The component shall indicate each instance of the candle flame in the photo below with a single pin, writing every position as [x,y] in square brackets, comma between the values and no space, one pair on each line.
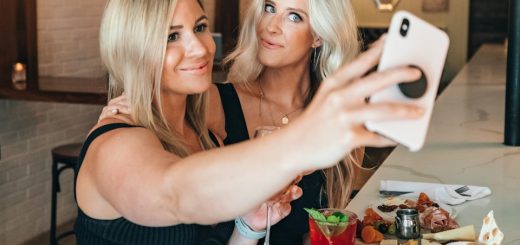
[19,67]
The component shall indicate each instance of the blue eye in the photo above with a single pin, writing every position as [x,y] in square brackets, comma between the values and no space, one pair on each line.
[201,28]
[269,9]
[295,17]
[173,37]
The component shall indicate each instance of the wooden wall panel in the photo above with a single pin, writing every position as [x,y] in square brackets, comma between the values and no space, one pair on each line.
[8,48]
[226,22]
[18,39]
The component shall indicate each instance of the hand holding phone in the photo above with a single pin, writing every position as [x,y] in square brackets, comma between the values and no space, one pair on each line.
[411,41]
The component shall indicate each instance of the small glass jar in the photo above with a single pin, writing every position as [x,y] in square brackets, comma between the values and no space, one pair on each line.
[19,76]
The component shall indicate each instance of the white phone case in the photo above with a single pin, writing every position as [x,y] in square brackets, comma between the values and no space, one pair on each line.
[426,47]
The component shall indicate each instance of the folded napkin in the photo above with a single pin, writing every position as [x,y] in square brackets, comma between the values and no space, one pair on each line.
[444,193]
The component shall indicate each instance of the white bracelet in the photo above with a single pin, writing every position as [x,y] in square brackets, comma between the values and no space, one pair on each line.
[246,231]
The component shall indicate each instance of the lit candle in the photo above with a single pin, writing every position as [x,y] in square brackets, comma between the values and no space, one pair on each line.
[19,76]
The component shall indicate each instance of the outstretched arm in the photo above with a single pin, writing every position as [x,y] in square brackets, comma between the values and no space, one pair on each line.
[153,187]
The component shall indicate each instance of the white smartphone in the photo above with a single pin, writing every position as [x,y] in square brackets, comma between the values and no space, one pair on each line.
[411,41]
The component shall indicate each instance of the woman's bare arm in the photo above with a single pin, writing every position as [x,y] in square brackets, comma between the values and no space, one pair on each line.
[150,186]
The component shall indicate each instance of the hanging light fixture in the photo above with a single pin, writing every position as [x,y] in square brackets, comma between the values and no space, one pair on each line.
[386,5]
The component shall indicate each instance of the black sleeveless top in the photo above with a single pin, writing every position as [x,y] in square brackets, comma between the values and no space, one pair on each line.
[291,229]
[122,231]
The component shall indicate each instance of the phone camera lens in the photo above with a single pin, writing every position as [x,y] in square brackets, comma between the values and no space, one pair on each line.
[405,26]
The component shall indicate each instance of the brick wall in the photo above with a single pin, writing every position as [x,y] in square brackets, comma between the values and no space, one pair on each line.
[68,33]
[28,132]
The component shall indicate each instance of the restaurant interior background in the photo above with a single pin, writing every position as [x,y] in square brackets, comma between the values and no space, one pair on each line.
[58,41]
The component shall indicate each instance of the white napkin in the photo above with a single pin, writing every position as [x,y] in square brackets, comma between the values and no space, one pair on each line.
[444,193]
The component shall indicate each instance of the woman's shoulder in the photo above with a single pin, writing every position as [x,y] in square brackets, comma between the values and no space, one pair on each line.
[114,145]
[109,133]
[121,120]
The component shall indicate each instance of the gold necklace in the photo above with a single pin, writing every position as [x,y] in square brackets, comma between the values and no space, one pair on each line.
[285,116]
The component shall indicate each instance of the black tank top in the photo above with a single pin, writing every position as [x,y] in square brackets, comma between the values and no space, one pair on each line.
[291,229]
[122,231]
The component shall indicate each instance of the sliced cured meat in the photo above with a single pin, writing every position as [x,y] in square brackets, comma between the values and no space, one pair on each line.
[436,219]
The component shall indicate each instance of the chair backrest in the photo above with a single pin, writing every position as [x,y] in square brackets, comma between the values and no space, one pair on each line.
[68,153]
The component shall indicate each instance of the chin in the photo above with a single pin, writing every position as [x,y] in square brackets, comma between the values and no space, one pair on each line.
[200,87]
[201,91]
[273,63]
[188,86]
[269,61]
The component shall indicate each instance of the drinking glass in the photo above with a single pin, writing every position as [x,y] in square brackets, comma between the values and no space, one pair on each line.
[326,233]
[261,132]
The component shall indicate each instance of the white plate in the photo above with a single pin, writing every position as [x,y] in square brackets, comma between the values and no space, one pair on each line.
[390,216]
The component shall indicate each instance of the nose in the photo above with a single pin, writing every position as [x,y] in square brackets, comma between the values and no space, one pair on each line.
[195,47]
[273,24]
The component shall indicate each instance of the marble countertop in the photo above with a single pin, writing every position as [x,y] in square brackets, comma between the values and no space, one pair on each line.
[464,146]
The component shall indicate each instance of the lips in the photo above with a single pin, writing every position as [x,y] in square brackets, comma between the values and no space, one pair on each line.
[200,68]
[270,44]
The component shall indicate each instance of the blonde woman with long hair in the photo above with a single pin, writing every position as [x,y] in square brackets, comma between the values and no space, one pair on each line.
[284,51]
[150,176]
[134,181]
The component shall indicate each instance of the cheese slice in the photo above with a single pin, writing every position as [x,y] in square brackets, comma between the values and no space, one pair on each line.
[466,233]
[490,234]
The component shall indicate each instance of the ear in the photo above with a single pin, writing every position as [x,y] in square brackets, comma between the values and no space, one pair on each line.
[317,42]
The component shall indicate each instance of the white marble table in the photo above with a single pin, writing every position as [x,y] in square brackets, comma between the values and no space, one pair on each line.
[464,146]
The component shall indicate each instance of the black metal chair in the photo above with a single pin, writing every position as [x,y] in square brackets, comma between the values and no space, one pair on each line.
[63,157]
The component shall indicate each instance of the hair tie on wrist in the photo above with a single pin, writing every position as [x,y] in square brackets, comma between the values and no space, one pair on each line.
[246,231]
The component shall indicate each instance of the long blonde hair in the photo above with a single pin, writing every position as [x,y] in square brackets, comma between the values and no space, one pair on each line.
[334,22]
[133,39]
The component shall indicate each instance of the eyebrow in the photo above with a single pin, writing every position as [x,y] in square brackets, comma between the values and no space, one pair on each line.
[290,9]
[204,17]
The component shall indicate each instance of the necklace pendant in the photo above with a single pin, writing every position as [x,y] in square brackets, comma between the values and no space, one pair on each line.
[285,120]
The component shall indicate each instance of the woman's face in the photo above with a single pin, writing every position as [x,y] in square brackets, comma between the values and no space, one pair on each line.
[190,50]
[284,33]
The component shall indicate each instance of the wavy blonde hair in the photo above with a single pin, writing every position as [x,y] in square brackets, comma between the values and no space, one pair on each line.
[133,39]
[334,22]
